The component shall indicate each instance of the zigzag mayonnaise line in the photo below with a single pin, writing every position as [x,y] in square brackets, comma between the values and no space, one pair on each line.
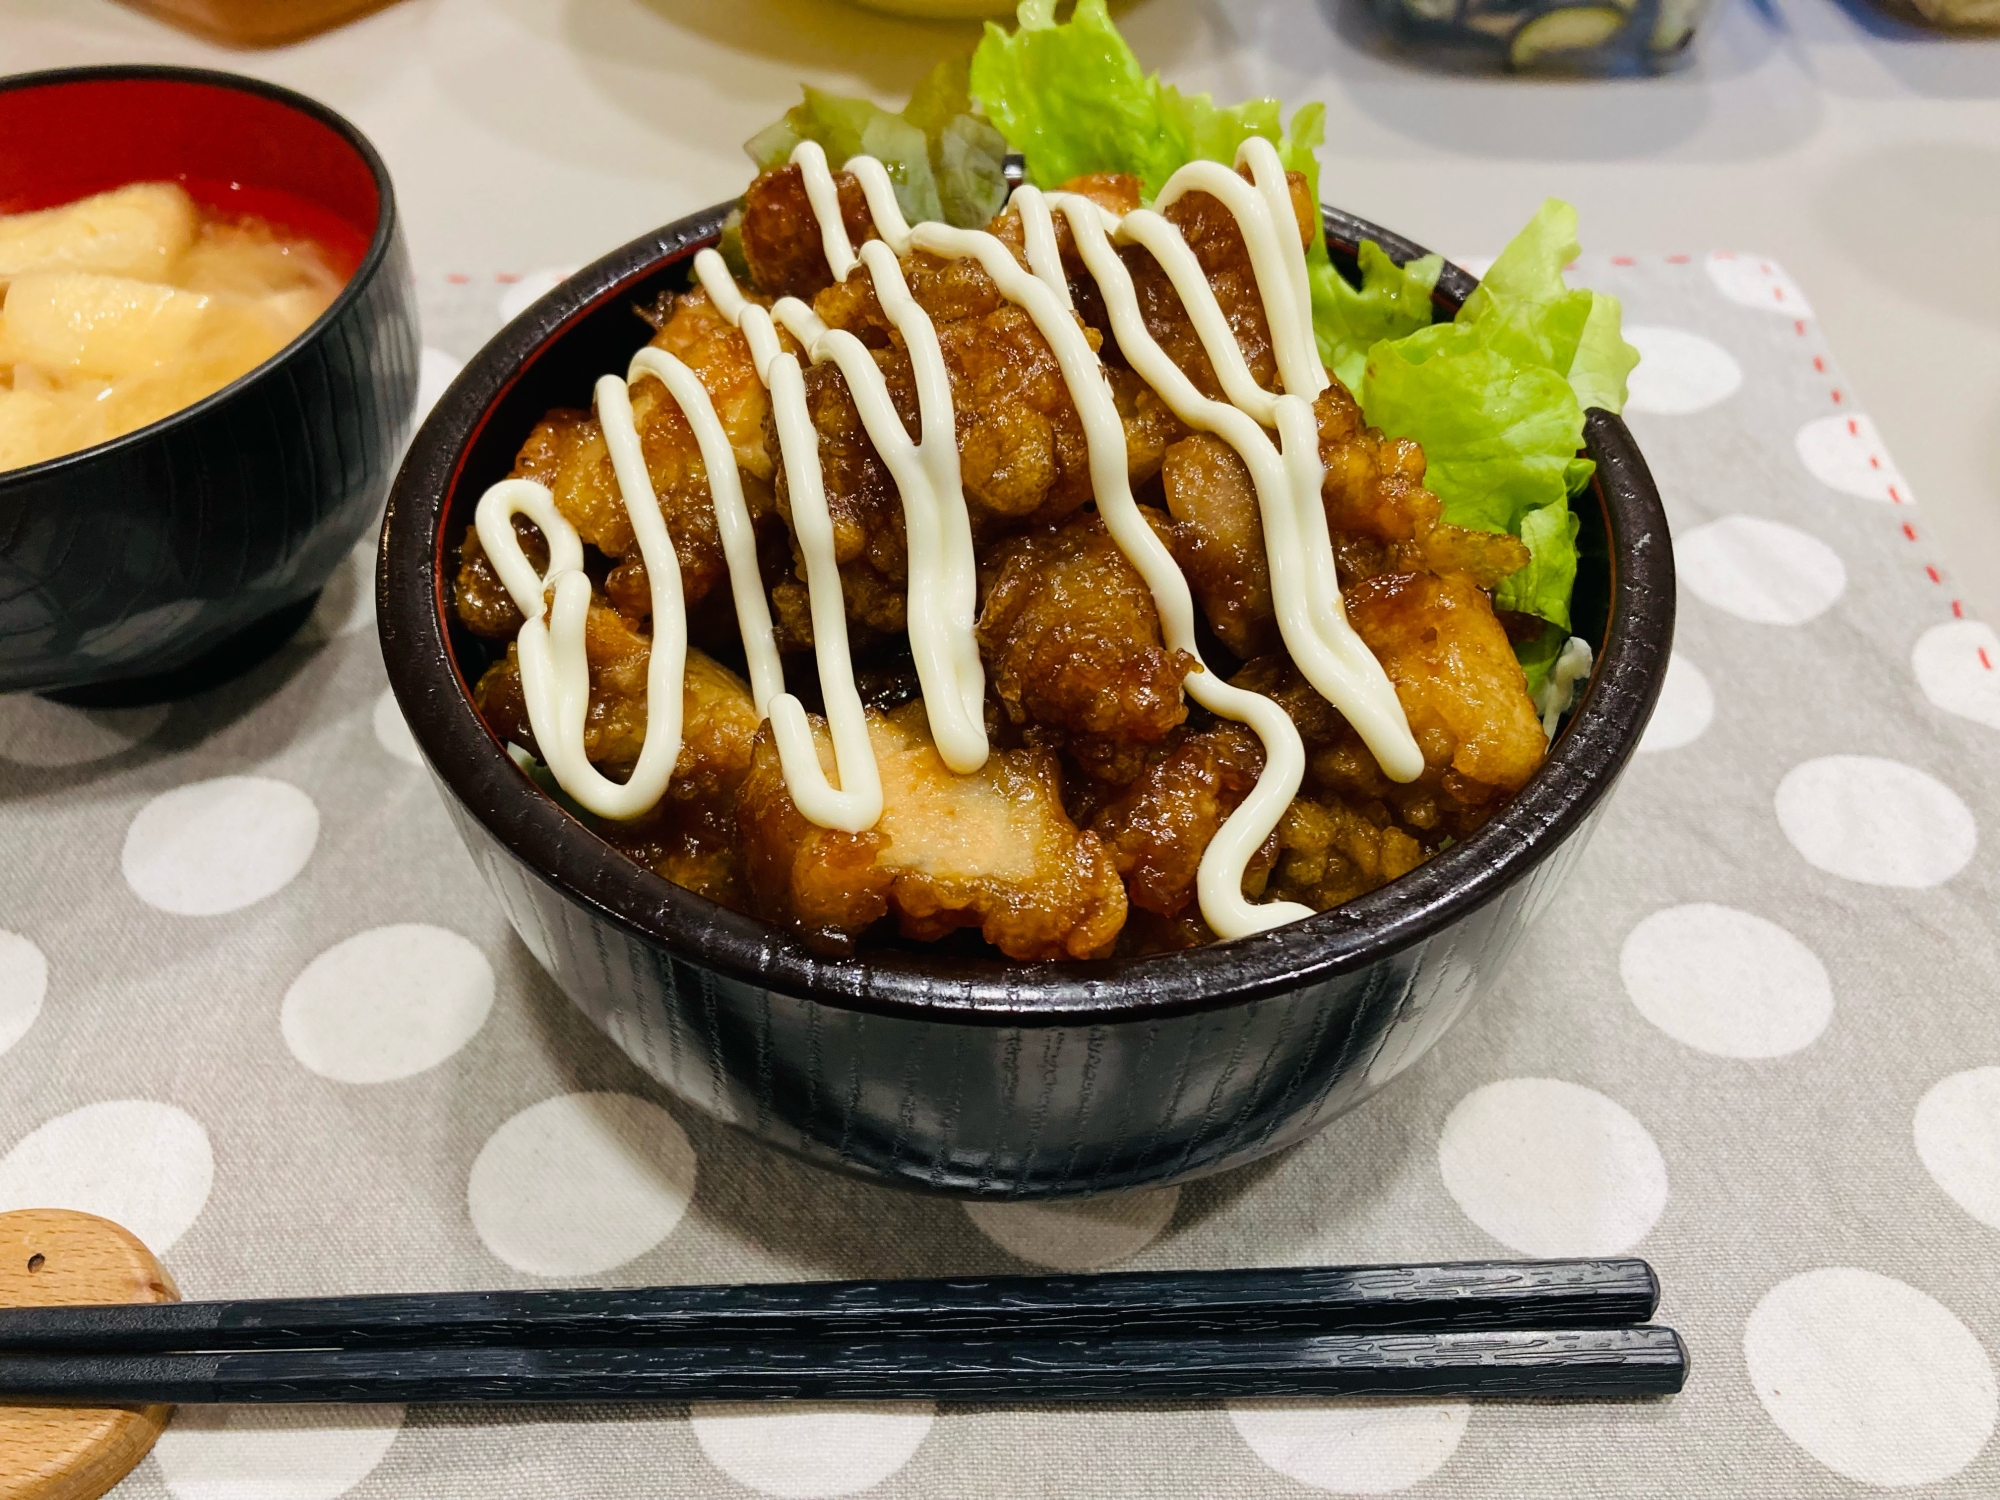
[942,599]
[857,804]
[1287,478]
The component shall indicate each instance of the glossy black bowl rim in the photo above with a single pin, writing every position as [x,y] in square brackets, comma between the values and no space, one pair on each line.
[413,600]
[357,284]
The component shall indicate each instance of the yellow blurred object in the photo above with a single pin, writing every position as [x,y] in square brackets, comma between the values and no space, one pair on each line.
[257,23]
[1953,15]
[123,308]
[941,10]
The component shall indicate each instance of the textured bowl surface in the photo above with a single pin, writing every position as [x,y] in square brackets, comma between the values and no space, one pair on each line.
[978,1076]
[137,556]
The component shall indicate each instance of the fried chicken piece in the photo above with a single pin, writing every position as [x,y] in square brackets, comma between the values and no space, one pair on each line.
[1022,451]
[691,842]
[866,510]
[1150,426]
[718,719]
[1353,829]
[567,453]
[1212,233]
[1023,457]
[1340,767]
[1158,828]
[483,603]
[1218,540]
[1072,645]
[717,351]
[1457,678]
[992,850]
[1117,191]
[1330,851]
[498,697]
[1384,518]
[689,837]
[781,239]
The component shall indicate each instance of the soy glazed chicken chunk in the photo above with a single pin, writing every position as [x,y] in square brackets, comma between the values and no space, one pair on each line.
[993,850]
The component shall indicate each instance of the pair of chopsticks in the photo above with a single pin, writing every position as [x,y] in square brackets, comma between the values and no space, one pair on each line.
[1574,1328]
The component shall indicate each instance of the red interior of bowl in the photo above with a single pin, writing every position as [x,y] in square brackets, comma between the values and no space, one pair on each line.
[235,151]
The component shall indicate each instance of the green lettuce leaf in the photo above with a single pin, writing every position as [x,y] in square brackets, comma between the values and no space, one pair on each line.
[967,154]
[1500,438]
[849,127]
[1497,398]
[1538,318]
[1538,655]
[1603,358]
[1072,99]
[1392,302]
[1544,586]
[946,162]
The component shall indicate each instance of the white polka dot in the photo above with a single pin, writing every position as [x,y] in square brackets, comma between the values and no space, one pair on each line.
[1846,453]
[1685,710]
[1552,1168]
[36,732]
[1724,981]
[219,845]
[802,1451]
[1077,1234]
[530,289]
[1958,667]
[1353,1448]
[273,1452]
[1756,282]
[24,982]
[392,733]
[580,1183]
[1758,570]
[435,371]
[1876,821]
[144,1165]
[347,603]
[1958,1137]
[1678,372]
[388,1003]
[1871,1377]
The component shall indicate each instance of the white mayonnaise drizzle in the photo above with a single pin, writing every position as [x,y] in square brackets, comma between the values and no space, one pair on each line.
[1287,478]
[942,600]
[857,804]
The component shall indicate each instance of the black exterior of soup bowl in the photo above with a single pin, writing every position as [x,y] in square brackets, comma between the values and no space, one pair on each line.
[984,1078]
[128,568]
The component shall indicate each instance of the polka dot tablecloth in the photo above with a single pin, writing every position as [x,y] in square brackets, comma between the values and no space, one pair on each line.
[255,1004]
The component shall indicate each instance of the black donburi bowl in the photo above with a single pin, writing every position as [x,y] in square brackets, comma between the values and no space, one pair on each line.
[155,563]
[985,1078]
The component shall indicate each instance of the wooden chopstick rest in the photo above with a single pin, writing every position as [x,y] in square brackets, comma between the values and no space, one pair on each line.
[52,1257]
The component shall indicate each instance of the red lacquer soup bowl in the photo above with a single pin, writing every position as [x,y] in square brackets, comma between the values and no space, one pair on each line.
[149,564]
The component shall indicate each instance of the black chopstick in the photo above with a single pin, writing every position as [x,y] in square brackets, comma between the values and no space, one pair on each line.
[1588,1362]
[1276,1301]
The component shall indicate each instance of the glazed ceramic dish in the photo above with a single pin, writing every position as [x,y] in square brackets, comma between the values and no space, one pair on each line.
[983,1077]
[125,566]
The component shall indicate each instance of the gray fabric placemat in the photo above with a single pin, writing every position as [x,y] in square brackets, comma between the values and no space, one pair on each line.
[257,1006]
